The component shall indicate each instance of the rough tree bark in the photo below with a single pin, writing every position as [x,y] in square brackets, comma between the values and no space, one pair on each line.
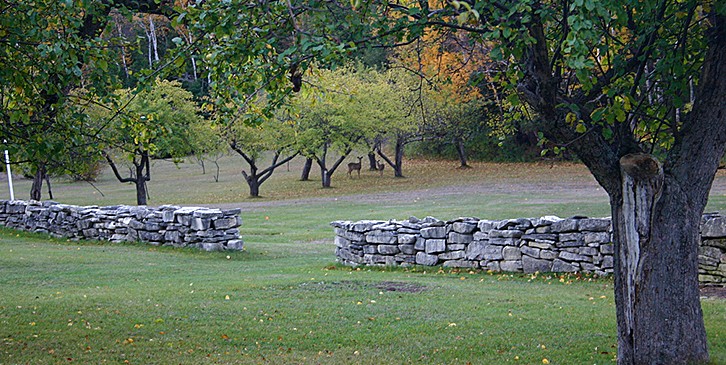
[36,192]
[305,175]
[372,161]
[397,163]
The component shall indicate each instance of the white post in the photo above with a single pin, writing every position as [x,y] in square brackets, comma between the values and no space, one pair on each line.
[10,175]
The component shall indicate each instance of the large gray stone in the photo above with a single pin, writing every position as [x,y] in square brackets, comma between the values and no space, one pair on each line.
[237,245]
[225,223]
[531,265]
[561,266]
[511,266]
[200,224]
[385,237]
[607,262]
[608,249]
[570,256]
[714,227]
[420,244]
[388,249]
[341,242]
[211,246]
[475,250]
[597,237]
[407,249]
[426,259]
[492,253]
[463,227]
[433,232]
[435,245]
[594,224]
[455,237]
[565,225]
[405,239]
[530,251]
[486,225]
[461,264]
[511,253]
[495,233]
[453,255]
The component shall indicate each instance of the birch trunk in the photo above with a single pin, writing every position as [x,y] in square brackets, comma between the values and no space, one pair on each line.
[152,31]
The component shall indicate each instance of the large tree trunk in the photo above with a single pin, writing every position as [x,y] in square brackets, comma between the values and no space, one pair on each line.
[141,194]
[305,176]
[254,185]
[656,280]
[372,166]
[141,179]
[398,165]
[325,176]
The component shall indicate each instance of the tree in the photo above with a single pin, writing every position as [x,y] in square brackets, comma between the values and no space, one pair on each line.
[251,142]
[155,123]
[399,113]
[208,144]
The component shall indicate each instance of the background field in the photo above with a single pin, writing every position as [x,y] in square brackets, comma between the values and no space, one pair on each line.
[283,301]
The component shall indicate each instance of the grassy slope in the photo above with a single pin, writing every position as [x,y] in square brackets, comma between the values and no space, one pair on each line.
[99,303]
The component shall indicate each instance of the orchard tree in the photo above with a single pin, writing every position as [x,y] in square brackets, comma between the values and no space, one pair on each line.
[252,142]
[156,123]
[331,119]
[396,103]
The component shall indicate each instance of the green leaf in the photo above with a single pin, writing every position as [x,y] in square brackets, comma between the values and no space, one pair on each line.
[580,128]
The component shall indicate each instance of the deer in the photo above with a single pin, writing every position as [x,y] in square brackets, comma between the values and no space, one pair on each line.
[355,166]
[380,167]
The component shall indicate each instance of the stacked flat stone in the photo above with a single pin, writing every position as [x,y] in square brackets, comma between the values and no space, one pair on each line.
[712,252]
[546,244]
[168,225]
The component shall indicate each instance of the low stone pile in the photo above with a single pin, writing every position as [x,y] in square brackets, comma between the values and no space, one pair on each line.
[712,253]
[546,244]
[204,228]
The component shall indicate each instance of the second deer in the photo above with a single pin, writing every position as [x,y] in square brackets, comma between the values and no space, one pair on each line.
[380,167]
[355,166]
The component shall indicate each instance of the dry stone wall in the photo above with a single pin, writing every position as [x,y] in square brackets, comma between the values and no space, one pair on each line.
[204,228]
[546,244]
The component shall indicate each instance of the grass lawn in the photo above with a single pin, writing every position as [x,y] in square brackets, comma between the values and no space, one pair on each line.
[283,301]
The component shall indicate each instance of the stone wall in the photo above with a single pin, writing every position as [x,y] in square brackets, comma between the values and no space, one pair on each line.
[546,244]
[204,228]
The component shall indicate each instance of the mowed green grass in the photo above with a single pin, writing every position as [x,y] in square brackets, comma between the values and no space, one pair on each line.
[284,301]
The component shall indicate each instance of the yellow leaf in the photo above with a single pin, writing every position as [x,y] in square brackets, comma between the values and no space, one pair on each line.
[226,297]
[545,361]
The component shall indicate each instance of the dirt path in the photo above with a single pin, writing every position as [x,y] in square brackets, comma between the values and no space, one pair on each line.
[581,188]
